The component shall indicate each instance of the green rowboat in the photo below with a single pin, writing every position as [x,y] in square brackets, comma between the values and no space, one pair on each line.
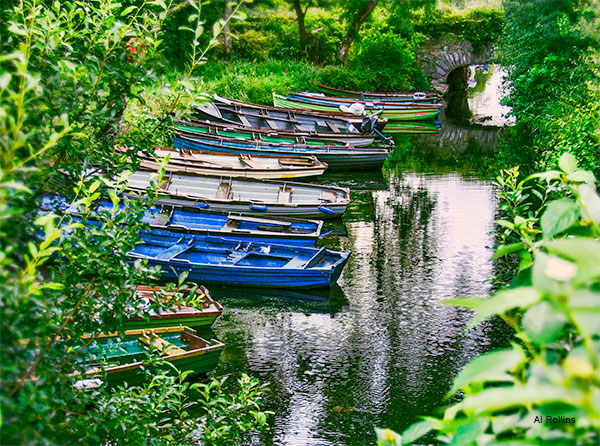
[121,359]
[410,114]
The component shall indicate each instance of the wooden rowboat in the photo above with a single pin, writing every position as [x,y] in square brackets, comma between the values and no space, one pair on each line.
[247,196]
[275,136]
[226,262]
[277,118]
[415,96]
[201,314]
[224,164]
[168,221]
[336,157]
[388,111]
[122,359]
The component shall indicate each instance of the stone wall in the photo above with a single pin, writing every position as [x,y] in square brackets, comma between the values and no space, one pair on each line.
[440,58]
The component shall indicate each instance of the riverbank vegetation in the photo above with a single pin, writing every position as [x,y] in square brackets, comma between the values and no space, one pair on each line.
[551,51]
[69,71]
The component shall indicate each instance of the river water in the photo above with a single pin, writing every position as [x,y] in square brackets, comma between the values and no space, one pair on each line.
[379,349]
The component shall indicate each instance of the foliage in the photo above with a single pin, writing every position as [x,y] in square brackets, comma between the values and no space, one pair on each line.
[228,418]
[479,26]
[378,57]
[551,56]
[544,388]
[68,73]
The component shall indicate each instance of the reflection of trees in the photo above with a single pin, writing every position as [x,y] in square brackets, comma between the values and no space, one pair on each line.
[466,150]
[392,353]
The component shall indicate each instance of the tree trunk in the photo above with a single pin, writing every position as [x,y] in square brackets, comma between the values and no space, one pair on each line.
[226,30]
[352,32]
[300,14]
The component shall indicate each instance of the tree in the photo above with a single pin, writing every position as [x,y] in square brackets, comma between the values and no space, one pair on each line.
[300,15]
[365,7]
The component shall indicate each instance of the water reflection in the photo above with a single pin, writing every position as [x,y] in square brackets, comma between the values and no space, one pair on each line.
[389,353]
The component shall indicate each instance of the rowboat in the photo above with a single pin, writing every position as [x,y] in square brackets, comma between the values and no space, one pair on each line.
[216,260]
[387,111]
[336,157]
[246,196]
[253,115]
[406,127]
[197,311]
[233,165]
[171,221]
[416,96]
[275,136]
[122,358]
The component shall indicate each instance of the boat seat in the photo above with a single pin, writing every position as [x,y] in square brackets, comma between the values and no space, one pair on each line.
[251,162]
[244,120]
[333,127]
[328,196]
[164,347]
[295,263]
[224,191]
[259,220]
[173,251]
[316,259]
[285,194]
[272,124]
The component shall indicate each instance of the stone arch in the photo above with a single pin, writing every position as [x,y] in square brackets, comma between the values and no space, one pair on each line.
[440,58]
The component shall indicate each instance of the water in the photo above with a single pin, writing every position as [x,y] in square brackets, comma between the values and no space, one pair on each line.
[379,349]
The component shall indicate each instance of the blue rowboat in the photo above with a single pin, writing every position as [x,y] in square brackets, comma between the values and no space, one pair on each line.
[336,157]
[246,196]
[170,222]
[216,260]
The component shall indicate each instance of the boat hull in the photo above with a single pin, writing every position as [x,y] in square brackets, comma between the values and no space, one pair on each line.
[223,262]
[409,114]
[342,159]
[276,136]
[252,277]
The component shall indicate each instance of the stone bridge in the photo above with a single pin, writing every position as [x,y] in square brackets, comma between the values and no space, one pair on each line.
[441,58]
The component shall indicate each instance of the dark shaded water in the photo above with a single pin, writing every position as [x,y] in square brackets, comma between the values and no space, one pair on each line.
[378,350]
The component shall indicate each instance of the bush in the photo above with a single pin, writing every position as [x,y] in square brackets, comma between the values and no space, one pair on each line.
[387,62]
[479,26]
[551,59]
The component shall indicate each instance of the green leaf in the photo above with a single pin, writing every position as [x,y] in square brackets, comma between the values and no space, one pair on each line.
[548,271]
[508,249]
[499,303]
[493,366]
[548,175]
[387,437]
[4,80]
[582,176]
[590,203]
[416,431]
[567,163]
[505,223]
[542,323]
[585,310]
[585,252]
[468,434]
[558,217]
[502,398]
[128,10]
